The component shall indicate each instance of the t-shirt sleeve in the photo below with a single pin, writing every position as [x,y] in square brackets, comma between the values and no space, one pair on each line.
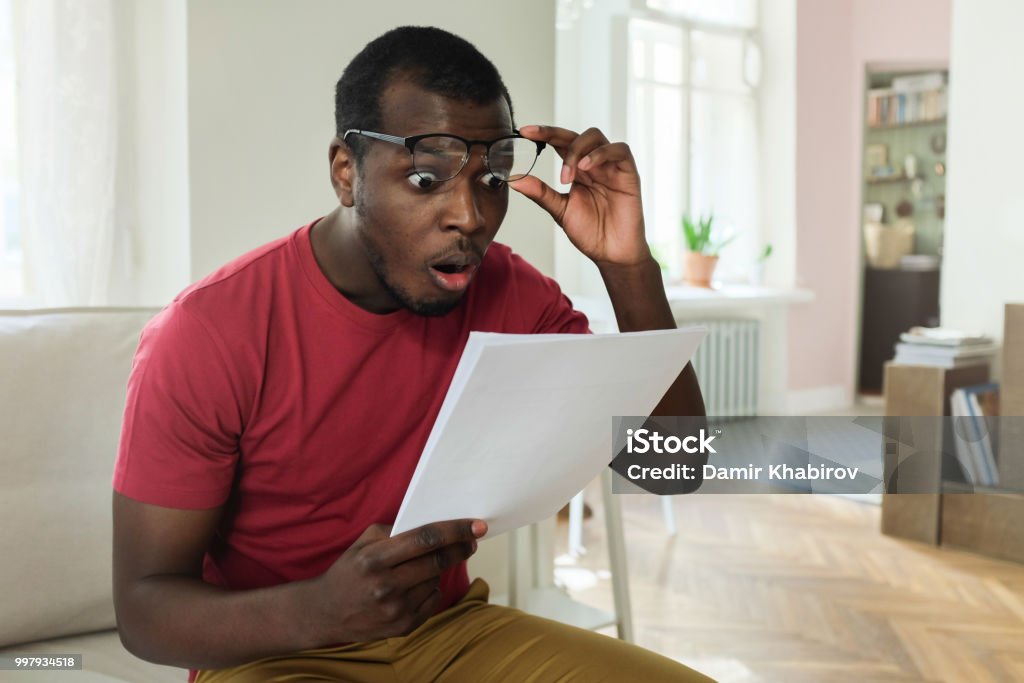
[183,417]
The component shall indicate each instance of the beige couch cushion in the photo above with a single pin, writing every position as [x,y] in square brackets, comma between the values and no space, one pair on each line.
[63,374]
[104,660]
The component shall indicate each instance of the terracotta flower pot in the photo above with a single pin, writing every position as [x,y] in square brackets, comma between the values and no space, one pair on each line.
[698,268]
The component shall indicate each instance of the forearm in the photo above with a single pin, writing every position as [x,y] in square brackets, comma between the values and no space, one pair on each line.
[638,297]
[183,621]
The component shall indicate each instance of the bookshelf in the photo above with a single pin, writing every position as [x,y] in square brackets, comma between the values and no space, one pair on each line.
[905,116]
[940,122]
[903,172]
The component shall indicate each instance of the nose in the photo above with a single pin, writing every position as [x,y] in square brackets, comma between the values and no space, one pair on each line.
[464,203]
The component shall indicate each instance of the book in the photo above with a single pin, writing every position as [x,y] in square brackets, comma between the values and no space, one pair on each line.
[904,358]
[964,437]
[939,351]
[943,336]
[919,82]
[975,409]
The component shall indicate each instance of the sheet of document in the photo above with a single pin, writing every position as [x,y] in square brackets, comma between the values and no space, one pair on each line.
[527,422]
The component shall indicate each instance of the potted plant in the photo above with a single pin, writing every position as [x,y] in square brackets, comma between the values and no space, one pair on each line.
[702,251]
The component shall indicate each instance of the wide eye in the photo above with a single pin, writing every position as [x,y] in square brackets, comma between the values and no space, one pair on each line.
[492,181]
[422,179]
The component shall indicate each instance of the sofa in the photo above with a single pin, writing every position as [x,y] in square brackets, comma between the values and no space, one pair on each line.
[63,373]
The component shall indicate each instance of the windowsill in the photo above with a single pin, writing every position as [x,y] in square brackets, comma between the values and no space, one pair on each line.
[685,300]
[731,296]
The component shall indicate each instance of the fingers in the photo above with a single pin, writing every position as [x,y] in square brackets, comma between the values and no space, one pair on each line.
[372,534]
[553,135]
[431,566]
[586,151]
[425,540]
[423,601]
[617,153]
[542,195]
[424,598]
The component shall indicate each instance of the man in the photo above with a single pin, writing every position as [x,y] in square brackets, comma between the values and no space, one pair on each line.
[277,408]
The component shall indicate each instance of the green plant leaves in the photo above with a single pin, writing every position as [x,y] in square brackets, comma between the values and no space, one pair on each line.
[698,235]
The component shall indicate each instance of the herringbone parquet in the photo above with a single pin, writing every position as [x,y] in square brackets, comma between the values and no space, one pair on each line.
[805,588]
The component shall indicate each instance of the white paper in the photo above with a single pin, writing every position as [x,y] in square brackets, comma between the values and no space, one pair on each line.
[527,422]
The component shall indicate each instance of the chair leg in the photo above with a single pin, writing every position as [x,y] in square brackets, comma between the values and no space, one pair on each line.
[576,526]
[617,559]
[670,518]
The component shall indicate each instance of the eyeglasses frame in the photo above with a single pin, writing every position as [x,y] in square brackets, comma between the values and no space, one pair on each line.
[410,144]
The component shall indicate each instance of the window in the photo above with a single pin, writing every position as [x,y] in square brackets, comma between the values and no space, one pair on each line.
[11,277]
[738,13]
[692,118]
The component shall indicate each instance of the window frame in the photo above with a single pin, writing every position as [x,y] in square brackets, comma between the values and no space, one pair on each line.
[750,38]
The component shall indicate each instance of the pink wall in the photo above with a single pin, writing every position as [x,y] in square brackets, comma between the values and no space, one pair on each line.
[836,39]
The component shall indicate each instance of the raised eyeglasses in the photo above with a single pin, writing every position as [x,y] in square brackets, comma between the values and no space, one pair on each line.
[437,157]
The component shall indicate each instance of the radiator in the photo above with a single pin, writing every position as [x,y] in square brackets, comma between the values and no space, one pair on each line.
[727,366]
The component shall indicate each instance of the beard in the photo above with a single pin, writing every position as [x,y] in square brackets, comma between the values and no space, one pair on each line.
[427,307]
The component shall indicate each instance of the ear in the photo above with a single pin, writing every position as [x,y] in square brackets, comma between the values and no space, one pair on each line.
[343,171]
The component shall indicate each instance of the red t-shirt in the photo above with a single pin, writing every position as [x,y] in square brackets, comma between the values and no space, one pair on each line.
[261,387]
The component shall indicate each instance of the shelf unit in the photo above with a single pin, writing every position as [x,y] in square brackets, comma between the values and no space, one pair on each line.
[900,140]
[909,124]
[894,300]
[980,519]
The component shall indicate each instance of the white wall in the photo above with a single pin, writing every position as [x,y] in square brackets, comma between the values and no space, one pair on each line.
[585,80]
[984,239]
[777,132]
[836,40]
[158,83]
[261,78]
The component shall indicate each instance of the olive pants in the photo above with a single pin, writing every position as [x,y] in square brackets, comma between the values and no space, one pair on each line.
[471,642]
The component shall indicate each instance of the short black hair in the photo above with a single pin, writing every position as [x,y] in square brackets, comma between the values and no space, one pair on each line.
[429,57]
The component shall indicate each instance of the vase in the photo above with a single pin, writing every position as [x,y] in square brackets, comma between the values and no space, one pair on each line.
[698,269]
[885,245]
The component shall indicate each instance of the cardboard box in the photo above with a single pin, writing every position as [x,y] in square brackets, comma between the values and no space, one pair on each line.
[1011,401]
[920,390]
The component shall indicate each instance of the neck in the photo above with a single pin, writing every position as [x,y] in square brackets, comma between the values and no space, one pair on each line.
[342,258]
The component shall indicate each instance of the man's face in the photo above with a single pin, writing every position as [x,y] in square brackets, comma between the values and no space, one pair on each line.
[425,244]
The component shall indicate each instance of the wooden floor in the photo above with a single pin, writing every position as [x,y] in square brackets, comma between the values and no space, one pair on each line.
[805,588]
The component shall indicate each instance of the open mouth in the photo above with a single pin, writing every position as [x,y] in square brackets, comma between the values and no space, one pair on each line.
[450,268]
[454,273]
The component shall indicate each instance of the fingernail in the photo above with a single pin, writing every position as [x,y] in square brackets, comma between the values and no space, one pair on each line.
[565,174]
[528,129]
[479,528]
[585,163]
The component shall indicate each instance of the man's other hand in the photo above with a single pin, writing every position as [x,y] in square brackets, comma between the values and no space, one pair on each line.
[383,587]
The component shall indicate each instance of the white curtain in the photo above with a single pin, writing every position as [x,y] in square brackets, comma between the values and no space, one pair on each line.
[67,128]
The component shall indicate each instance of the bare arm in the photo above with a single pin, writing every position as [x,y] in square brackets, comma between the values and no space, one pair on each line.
[602,216]
[638,297]
[166,613]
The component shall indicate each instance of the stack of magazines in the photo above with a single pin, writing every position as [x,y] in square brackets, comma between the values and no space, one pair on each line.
[943,348]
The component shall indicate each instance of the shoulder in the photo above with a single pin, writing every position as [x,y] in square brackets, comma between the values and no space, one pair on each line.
[501,265]
[514,296]
[241,274]
[226,311]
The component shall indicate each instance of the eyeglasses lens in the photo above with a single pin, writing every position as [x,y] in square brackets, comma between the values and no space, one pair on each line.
[512,158]
[441,158]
